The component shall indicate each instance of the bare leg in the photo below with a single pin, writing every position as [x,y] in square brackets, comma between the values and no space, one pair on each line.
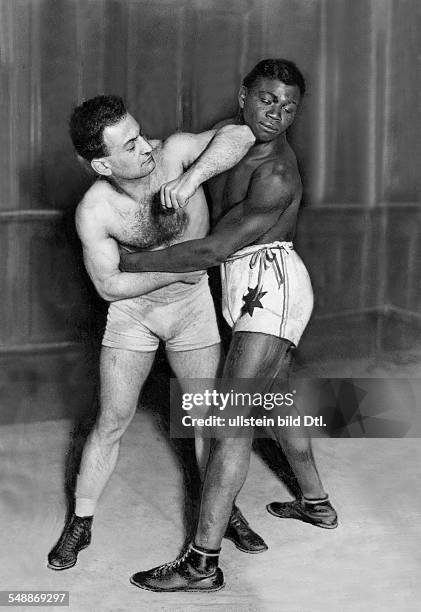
[205,363]
[295,441]
[198,363]
[252,356]
[122,374]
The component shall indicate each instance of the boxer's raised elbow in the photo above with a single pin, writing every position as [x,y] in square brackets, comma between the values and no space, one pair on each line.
[249,137]
[243,132]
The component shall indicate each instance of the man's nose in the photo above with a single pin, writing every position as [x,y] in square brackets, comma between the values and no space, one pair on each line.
[145,146]
[274,113]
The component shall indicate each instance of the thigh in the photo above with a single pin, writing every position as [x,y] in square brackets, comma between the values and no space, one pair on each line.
[196,371]
[198,363]
[122,374]
[257,355]
[253,363]
[194,326]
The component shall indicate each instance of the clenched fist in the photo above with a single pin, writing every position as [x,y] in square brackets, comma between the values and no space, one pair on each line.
[176,193]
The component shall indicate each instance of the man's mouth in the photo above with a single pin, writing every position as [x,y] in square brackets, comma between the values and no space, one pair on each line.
[147,160]
[268,128]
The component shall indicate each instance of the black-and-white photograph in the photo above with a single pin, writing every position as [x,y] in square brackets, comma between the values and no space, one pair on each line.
[210,330]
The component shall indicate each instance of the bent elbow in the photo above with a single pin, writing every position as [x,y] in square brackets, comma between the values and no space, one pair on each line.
[214,255]
[243,132]
[249,137]
[105,295]
[105,291]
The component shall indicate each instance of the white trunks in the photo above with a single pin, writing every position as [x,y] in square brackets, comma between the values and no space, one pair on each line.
[266,288]
[181,315]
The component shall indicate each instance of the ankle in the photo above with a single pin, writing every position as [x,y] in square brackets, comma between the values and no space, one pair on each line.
[315,499]
[85,506]
[204,559]
[87,520]
[312,504]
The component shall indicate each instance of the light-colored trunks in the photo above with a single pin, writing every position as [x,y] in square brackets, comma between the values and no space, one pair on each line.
[266,288]
[181,315]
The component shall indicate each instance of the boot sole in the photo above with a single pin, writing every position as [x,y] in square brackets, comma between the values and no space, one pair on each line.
[185,590]
[304,518]
[246,550]
[65,567]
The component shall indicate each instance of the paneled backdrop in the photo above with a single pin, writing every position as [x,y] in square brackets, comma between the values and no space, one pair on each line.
[179,64]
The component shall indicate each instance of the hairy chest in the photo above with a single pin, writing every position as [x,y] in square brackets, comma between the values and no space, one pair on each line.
[141,222]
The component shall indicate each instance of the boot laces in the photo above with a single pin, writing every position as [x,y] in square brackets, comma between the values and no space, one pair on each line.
[76,530]
[173,565]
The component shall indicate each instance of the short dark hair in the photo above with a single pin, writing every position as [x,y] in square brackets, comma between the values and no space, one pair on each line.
[280,69]
[87,123]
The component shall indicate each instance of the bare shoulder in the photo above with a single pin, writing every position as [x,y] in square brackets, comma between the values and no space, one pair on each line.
[185,147]
[176,146]
[178,139]
[274,183]
[93,211]
[278,172]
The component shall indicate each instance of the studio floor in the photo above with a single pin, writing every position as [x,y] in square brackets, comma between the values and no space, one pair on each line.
[372,562]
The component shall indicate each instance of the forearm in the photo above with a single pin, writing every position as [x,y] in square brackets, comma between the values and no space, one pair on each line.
[122,285]
[184,257]
[234,231]
[225,150]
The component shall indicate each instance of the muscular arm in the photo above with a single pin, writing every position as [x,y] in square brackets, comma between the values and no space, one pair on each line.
[205,155]
[101,257]
[270,193]
[224,150]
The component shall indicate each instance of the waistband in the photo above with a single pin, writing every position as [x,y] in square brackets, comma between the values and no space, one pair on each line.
[256,248]
[169,293]
[264,256]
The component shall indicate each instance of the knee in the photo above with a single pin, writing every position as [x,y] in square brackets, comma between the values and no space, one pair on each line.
[299,447]
[232,453]
[111,429]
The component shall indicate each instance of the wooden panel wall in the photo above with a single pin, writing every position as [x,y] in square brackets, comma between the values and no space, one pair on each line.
[179,63]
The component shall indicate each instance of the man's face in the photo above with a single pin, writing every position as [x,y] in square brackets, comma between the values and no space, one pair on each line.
[269,107]
[129,153]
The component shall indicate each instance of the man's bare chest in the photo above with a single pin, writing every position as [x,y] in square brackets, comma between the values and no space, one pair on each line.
[232,186]
[139,219]
[134,225]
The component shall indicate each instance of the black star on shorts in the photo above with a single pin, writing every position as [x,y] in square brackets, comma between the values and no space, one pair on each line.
[252,300]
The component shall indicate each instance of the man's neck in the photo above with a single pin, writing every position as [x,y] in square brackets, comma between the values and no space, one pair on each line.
[129,187]
[266,149]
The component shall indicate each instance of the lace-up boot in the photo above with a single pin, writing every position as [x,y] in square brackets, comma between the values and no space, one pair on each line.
[75,537]
[318,512]
[195,570]
[242,535]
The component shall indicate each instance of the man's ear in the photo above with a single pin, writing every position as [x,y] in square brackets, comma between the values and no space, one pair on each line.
[242,94]
[101,166]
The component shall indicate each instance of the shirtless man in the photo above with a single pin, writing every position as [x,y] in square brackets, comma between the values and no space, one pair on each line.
[267,299]
[121,208]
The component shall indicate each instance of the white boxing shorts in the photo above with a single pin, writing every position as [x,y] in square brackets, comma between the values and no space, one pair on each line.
[266,288]
[181,315]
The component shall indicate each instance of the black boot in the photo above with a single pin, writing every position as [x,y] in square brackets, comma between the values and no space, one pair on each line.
[193,571]
[75,537]
[242,535]
[318,512]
